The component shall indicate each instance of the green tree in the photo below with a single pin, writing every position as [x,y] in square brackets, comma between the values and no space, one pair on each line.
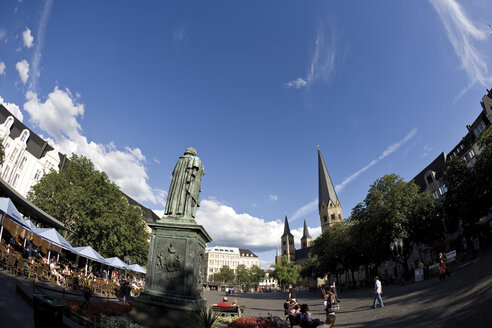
[286,272]
[393,209]
[243,275]
[256,275]
[482,175]
[225,275]
[94,209]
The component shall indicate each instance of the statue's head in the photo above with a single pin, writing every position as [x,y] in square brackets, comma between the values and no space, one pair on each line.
[190,151]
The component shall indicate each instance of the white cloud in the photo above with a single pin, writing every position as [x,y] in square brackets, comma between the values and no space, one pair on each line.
[297,83]
[463,34]
[229,228]
[2,68]
[322,65]
[40,42]
[13,108]
[273,197]
[61,106]
[159,213]
[23,69]
[28,38]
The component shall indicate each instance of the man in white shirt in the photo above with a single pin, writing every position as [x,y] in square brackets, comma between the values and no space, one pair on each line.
[378,291]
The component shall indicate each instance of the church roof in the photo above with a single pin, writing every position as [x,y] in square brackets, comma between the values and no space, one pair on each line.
[303,253]
[286,228]
[326,189]
[305,233]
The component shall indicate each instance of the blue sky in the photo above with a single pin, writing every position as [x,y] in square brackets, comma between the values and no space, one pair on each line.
[382,87]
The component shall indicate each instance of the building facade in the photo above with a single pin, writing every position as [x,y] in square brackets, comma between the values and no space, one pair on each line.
[218,256]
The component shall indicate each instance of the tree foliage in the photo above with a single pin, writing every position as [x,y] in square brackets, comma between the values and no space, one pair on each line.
[225,275]
[256,275]
[393,209]
[286,272]
[93,207]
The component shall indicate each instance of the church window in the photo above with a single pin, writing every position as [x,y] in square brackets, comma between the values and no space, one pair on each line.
[283,243]
[325,218]
[285,251]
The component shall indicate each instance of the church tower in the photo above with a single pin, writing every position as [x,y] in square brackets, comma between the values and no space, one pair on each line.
[306,240]
[330,211]
[287,239]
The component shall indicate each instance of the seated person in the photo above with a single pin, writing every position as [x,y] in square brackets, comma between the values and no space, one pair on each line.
[330,321]
[234,303]
[54,267]
[224,302]
[306,319]
[292,307]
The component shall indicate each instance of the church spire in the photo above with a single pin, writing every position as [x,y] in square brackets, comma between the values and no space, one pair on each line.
[286,228]
[305,233]
[326,190]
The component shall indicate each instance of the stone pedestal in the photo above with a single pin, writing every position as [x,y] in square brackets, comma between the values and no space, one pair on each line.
[175,274]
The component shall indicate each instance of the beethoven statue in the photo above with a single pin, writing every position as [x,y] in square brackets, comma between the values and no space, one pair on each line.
[184,192]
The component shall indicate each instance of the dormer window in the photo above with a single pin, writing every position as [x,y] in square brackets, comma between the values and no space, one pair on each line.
[429,179]
[24,136]
[9,122]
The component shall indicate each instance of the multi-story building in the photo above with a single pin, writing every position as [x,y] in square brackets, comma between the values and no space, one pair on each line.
[218,256]
[430,178]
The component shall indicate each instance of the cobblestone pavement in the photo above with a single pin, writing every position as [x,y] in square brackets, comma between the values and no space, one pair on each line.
[464,300]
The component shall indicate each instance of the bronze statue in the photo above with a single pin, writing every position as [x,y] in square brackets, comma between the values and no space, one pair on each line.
[184,193]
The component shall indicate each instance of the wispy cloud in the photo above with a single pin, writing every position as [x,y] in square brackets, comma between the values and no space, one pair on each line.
[3,34]
[463,34]
[391,149]
[40,43]
[273,197]
[27,38]
[322,65]
[304,210]
[2,68]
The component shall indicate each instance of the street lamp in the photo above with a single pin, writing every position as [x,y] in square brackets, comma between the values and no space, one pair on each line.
[397,249]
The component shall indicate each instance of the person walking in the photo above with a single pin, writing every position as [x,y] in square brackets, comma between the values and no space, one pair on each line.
[378,291]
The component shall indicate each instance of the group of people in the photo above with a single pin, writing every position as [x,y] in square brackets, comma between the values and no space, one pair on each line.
[299,314]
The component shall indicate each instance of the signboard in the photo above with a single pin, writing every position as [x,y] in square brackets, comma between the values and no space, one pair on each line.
[451,256]
[419,274]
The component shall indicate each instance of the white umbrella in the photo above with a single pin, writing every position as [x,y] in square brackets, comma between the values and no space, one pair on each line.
[8,209]
[116,262]
[51,235]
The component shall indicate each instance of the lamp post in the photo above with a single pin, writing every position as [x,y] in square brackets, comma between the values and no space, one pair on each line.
[397,249]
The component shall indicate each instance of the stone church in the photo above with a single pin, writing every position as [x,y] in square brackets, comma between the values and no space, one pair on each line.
[330,212]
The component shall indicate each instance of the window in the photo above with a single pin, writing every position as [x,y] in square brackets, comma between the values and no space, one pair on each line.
[333,217]
[469,156]
[24,136]
[7,146]
[340,217]
[6,172]
[429,179]
[442,189]
[14,152]
[283,243]
[325,218]
[9,122]
[435,194]
[37,175]
[23,161]
[480,126]
[16,179]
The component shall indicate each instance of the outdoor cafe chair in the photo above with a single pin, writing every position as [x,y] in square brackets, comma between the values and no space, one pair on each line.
[20,267]
[11,259]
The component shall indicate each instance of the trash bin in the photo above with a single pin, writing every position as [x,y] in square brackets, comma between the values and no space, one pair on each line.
[46,312]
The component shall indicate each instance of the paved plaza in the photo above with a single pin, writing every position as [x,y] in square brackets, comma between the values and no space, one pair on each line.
[464,300]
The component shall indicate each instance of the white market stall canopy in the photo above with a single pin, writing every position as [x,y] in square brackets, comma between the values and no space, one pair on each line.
[137,268]
[116,262]
[8,208]
[90,253]
[51,235]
